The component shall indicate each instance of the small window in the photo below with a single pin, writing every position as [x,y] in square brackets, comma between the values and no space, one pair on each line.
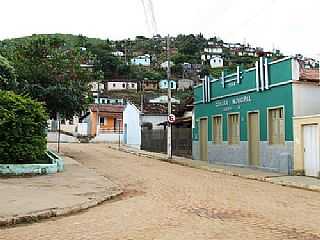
[108,101]
[114,85]
[234,129]
[103,101]
[123,85]
[276,126]
[132,85]
[172,85]
[101,121]
[217,130]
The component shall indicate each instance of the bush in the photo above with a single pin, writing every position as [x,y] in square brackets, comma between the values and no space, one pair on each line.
[7,75]
[22,130]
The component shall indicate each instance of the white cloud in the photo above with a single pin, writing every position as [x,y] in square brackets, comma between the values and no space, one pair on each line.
[290,25]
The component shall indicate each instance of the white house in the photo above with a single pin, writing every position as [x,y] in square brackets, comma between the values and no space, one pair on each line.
[132,126]
[215,50]
[118,54]
[216,62]
[144,60]
[94,86]
[164,99]
[165,64]
[118,85]
[108,100]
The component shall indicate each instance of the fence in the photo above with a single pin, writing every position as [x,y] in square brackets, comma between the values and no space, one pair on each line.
[155,140]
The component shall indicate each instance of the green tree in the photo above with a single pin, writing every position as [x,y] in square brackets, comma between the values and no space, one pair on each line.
[106,62]
[7,75]
[50,72]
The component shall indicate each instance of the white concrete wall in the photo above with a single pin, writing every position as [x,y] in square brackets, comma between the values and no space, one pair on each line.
[108,138]
[82,129]
[132,125]
[306,99]
[155,120]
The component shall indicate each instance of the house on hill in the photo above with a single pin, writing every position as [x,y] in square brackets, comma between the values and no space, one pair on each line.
[121,85]
[144,60]
[164,84]
[150,85]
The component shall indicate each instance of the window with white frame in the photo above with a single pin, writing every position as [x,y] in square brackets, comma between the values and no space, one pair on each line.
[234,128]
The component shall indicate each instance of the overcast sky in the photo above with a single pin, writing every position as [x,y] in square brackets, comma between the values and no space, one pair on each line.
[291,25]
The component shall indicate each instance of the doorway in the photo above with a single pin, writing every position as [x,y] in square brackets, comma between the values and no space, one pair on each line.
[254,139]
[311,150]
[204,139]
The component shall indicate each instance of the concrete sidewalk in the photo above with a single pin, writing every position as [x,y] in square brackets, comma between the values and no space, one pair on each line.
[302,182]
[27,199]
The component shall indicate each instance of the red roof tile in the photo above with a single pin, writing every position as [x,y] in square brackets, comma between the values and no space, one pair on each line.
[107,108]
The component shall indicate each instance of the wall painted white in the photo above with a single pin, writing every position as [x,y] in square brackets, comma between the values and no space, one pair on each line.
[132,125]
[122,86]
[306,100]
[82,129]
[154,119]
[108,138]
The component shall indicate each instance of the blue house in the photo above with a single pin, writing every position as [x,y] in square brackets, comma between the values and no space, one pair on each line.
[163,84]
[144,60]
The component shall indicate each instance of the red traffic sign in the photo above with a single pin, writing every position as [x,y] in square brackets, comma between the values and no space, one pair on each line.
[171,118]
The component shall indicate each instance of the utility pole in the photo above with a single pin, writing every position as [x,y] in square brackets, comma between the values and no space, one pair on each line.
[142,94]
[169,131]
[98,98]
[59,130]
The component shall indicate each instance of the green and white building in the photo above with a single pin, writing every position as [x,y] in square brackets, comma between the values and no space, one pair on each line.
[247,118]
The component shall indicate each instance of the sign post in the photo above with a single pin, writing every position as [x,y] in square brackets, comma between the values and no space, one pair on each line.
[171,118]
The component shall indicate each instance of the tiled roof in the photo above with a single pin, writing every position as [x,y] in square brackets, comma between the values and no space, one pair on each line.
[107,108]
[309,75]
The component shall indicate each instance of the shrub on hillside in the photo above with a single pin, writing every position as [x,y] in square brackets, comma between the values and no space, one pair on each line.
[22,129]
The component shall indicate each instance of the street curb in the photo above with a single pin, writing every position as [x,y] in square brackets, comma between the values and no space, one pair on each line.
[267,179]
[58,212]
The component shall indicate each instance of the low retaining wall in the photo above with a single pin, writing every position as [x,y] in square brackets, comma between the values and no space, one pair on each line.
[33,169]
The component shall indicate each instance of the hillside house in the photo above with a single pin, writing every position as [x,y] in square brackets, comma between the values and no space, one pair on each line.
[150,85]
[216,62]
[184,84]
[144,60]
[121,85]
[164,84]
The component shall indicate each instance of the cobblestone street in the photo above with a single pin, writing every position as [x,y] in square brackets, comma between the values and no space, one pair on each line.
[167,201]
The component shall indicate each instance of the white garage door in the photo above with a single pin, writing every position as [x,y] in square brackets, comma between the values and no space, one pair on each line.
[311,150]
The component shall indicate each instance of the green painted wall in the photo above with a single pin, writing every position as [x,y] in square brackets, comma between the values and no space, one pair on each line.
[253,101]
